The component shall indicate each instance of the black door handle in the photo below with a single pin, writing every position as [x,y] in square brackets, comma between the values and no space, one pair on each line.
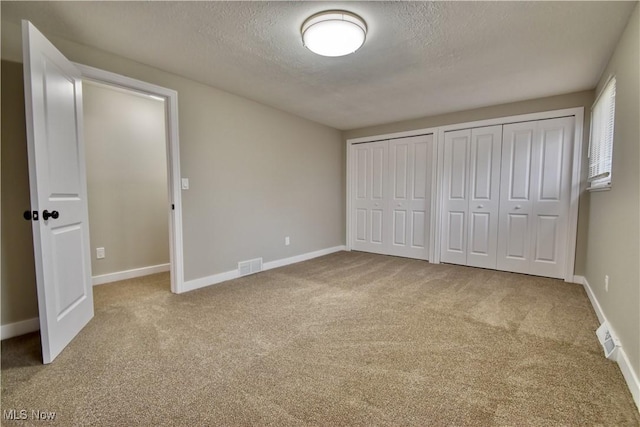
[53,214]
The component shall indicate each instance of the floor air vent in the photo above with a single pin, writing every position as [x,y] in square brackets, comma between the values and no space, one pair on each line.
[608,341]
[249,267]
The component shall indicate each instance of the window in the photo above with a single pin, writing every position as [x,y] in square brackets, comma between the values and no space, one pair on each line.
[601,145]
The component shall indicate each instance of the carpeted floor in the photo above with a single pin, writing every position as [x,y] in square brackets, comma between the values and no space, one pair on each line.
[346,339]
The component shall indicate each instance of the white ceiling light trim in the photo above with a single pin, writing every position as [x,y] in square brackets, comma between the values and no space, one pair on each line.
[333,33]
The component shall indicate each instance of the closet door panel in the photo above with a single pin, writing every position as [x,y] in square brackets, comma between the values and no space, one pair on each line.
[484,196]
[455,235]
[535,197]
[410,163]
[369,189]
[399,202]
[400,227]
[360,220]
[551,195]
[516,206]
[479,238]
[455,205]
[517,237]
[419,225]
[423,164]
[377,230]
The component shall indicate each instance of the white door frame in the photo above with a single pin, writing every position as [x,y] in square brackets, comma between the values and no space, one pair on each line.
[173,159]
[436,183]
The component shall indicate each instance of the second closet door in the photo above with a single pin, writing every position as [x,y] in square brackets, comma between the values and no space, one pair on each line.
[484,196]
[536,191]
[471,196]
[409,196]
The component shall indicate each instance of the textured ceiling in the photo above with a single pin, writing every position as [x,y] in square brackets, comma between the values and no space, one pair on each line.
[420,58]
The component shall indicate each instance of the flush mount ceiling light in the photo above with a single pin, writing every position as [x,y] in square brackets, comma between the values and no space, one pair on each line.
[333,33]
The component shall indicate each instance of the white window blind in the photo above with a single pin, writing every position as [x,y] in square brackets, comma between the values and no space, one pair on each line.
[601,144]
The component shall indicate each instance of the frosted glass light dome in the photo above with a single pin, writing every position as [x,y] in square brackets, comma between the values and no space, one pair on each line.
[333,33]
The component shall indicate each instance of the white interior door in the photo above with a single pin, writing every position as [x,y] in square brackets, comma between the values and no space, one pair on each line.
[53,97]
[484,196]
[370,189]
[410,193]
[535,197]
[455,206]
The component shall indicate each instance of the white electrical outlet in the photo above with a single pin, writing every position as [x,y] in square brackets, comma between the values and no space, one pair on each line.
[100,254]
[606,283]
[287,241]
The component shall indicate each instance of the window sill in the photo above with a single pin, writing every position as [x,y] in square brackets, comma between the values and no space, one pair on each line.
[601,187]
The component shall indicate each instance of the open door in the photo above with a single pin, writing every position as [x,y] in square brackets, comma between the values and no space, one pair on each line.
[53,100]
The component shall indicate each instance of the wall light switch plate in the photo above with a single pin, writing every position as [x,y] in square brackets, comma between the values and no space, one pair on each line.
[185,183]
[100,253]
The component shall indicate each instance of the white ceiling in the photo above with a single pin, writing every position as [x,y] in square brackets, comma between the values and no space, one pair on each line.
[420,58]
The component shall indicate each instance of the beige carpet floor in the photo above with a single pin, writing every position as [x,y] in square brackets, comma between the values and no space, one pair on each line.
[346,339]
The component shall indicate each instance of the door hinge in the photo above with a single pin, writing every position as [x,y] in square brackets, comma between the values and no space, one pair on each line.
[173,207]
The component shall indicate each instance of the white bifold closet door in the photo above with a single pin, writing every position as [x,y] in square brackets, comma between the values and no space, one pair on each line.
[506,196]
[410,194]
[471,184]
[370,193]
[535,197]
[391,196]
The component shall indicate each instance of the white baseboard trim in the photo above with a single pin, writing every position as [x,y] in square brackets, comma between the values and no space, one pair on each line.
[129,274]
[19,328]
[578,280]
[202,282]
[299,258]
[629,375]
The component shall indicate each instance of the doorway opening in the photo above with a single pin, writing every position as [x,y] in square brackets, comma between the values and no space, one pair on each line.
[127,188]
[132,197]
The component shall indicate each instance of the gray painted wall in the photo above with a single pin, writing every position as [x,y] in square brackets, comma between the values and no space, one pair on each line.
[125,146]
[613,246]
[257,174]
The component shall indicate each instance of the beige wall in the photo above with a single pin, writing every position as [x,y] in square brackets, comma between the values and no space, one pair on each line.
[19,299]
[578,99]
[257,174]
[614,233]
[125,145]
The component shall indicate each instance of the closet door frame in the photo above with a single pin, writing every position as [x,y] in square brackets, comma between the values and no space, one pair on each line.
[571,237]
[438,169]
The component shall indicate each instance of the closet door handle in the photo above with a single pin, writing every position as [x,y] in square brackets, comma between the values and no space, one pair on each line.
[518,207]
[480,206]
